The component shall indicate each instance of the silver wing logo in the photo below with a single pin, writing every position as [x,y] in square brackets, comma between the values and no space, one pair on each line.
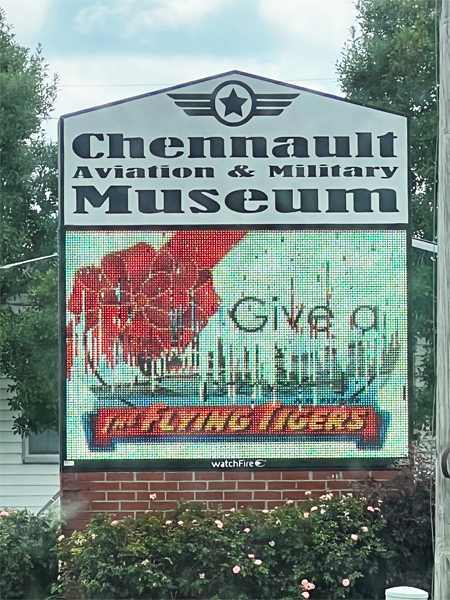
[233,103]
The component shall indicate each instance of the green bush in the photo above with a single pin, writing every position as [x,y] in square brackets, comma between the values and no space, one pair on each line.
[408,507]
[323,549]
[290,552]
[28,566]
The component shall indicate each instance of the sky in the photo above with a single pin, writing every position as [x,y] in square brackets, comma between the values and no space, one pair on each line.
[105,50]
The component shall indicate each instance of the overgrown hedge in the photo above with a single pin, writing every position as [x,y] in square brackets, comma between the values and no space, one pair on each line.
[28,566]
[331,547]
[331,543]
[408,507]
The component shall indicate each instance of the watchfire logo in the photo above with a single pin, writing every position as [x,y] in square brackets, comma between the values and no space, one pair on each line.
[238,464]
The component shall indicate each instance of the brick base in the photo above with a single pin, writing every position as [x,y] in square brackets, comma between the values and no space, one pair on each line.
[127,494]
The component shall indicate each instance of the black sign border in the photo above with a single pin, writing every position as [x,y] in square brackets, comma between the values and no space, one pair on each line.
[179,465]
[300,464]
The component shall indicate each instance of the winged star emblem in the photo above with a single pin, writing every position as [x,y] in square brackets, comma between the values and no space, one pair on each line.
[233,103]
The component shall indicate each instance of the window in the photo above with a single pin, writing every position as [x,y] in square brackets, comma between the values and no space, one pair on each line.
[41,447]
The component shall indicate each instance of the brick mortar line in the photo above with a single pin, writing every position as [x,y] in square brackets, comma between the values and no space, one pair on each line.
[331,481]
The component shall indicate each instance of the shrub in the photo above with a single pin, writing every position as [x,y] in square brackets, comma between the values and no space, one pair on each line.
[322,549]
[27,564]
[408,507]
[308,551]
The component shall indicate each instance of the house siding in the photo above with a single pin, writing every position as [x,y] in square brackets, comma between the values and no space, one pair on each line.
[22,485]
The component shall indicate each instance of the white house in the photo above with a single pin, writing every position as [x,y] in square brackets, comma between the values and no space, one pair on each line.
[29,468]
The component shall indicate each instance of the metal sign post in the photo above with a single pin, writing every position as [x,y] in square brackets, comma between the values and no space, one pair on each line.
[442,529]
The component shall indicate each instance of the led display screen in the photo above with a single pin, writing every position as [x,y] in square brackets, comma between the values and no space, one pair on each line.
[251,344]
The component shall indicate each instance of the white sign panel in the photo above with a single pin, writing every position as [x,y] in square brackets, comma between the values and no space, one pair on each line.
[235,149]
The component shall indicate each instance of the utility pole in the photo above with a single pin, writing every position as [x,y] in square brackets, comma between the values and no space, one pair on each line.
[442,543]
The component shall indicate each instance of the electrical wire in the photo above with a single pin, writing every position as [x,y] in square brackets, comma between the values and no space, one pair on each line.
[30,260]
[72,85]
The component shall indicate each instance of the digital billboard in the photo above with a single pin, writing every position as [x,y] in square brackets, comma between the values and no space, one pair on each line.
[209,322]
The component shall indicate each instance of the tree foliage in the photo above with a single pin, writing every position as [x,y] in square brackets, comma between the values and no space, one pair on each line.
[27,563]
[391,62]
[28,195]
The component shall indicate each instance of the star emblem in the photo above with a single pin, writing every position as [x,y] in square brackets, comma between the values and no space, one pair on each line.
[233,104]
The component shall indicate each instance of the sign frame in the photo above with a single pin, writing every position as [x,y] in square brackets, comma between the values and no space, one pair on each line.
[301,464]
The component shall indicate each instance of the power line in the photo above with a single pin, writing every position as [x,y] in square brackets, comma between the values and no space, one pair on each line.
[71,85]
[22,262]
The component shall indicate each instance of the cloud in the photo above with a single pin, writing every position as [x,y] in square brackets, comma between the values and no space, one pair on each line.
[308,36]
[310,22]
[172,14]
[91,16]
[26,16]
[305,38]
[85,80]
[159,15]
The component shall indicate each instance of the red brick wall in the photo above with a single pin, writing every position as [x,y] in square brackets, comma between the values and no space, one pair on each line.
[127,494]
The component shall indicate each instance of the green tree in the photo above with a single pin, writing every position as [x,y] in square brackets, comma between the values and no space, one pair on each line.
[28,196]
[391,62]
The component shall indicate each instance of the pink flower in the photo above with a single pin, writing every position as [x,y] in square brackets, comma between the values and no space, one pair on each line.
[346,582]
[61,537]
[371,509]
[4,513]
[305,594]
[307,493]
[354,537]
[265,511]
[289,502]
[201,575]
[168,522]
[152,496]
[180,522]
[304,582]
[272,543]
[236,569]
[114,522]
[218,523]
[306,515]
[258,562]
[365,529]
[247,530]
[251,556]
[310,586]
[313,508]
